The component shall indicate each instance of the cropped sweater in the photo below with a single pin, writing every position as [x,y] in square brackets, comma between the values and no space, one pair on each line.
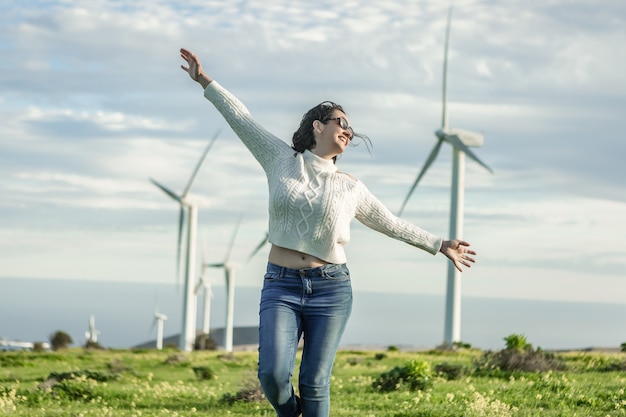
[311,204]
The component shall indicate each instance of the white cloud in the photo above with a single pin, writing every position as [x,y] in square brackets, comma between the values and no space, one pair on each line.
[113,121]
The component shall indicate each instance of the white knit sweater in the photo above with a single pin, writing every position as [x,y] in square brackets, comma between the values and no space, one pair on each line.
[311,204]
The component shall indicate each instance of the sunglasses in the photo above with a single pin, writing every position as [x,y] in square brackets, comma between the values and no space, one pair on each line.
[343,123]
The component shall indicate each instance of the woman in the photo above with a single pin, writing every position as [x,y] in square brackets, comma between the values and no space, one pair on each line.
[307,291]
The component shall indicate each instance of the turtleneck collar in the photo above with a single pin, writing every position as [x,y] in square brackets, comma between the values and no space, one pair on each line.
[319,164]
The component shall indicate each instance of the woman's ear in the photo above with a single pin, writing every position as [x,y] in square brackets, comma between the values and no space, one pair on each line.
[317,127]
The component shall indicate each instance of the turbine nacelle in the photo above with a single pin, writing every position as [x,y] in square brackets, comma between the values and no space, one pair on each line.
[468,138]
[159,316]
[194,200]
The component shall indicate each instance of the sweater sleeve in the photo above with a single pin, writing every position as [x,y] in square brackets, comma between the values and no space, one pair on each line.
[373,214]
[264,146]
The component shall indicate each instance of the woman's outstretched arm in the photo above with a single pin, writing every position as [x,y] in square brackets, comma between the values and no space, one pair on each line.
[264,146]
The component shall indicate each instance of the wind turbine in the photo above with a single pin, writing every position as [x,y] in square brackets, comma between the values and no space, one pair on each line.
[91,335]
[188,333]
[159,318]
[229,275]
[205,283]
[460,140]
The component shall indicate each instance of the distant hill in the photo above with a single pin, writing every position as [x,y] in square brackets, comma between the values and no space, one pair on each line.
[242,337]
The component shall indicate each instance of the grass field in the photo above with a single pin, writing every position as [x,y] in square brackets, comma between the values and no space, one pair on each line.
[79,382]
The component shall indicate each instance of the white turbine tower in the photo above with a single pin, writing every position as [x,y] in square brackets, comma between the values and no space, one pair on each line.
[205,284]
[229,275]
[188,333]
[159,318]
[91,335]
[460,141]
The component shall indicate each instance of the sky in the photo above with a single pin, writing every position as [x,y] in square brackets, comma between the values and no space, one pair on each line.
[93,104]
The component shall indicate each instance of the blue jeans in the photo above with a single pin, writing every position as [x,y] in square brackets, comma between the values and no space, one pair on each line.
[314,303]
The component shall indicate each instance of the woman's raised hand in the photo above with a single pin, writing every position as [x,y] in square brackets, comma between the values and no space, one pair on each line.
[194,67]
[458,252]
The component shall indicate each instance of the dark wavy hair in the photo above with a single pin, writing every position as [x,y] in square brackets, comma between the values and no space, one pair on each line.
[304,139]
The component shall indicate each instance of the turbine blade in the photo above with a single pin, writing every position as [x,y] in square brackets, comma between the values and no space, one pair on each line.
[227,277]
[204,254]
[203,261]
[444,112]
[260,245]
[232,241]
[166,190]
[181,221]
[195,171]
[457,143]
[152,326]
[429,161]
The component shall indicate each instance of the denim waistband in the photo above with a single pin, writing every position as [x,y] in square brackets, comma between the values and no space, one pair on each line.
[319,271]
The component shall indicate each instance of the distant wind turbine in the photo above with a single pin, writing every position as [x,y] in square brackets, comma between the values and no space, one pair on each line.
[205,283]
[229,275]
[159,318]
[188,333]
[91,335]
[460,141]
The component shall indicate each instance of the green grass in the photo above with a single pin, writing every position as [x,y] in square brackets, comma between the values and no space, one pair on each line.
[150,383]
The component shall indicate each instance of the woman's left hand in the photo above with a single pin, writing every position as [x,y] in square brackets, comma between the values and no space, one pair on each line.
[458,252]
[194,68]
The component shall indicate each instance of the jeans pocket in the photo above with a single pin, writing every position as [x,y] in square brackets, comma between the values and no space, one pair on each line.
[271,276]
[337,273]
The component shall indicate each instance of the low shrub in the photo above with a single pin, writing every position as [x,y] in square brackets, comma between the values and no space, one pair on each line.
[250,392]
[518,356]
[354,361]
[204,373]
[76,385]
[451,371]
[508,361]
[415,375]
[613,366]
[178,358]
[204,342]
[517,342]
[85,373]
[117,366]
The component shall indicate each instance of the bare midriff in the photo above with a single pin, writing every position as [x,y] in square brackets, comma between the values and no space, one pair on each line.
[293,259]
